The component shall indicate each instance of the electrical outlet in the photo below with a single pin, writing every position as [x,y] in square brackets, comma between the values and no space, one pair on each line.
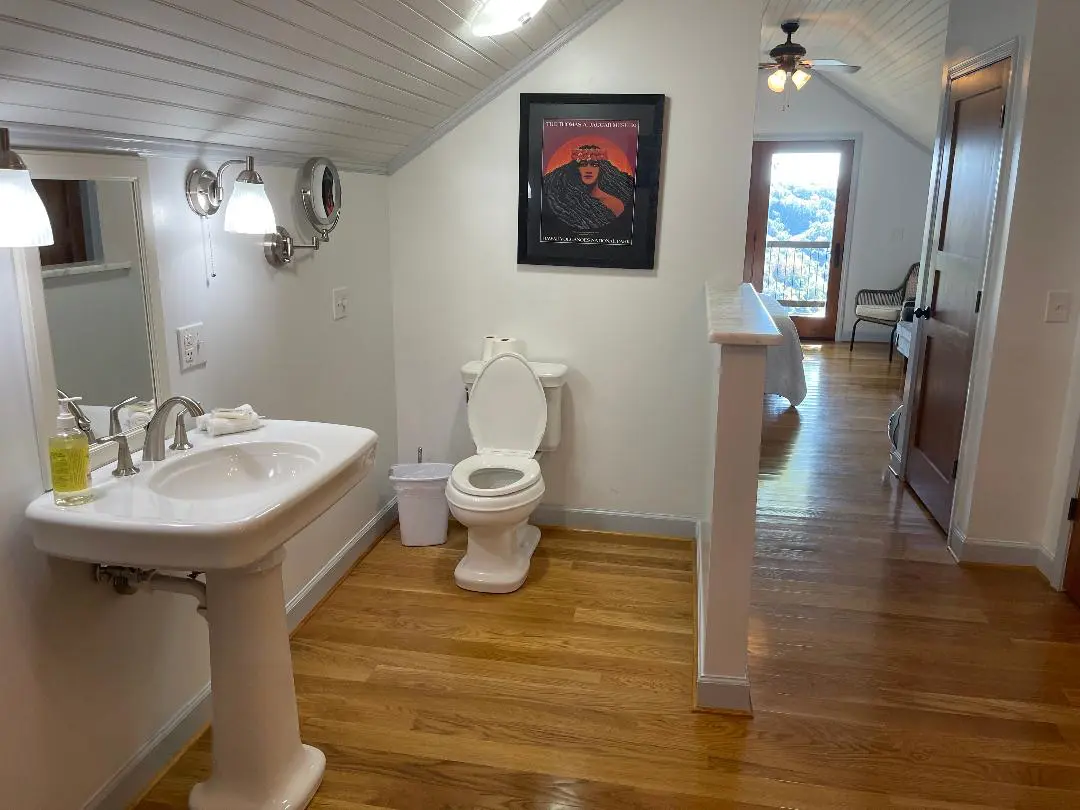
[339,302]
[190,345]
[1058,306]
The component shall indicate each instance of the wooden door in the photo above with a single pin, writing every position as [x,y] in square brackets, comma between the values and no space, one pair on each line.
[1072,562]
[967,190]
[803,274]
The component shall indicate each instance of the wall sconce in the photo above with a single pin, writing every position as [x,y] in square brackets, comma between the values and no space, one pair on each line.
[24,222]
[248,209]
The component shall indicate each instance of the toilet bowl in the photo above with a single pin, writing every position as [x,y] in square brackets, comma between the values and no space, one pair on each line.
[494,492]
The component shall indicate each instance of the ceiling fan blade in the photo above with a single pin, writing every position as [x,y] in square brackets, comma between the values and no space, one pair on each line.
[834,65]
[768,66]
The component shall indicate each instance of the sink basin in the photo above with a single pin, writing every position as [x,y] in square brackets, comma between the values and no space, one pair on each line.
[239,469]
[226,508]
[227,503]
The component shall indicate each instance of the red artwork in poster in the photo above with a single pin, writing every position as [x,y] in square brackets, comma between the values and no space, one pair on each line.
[589,174]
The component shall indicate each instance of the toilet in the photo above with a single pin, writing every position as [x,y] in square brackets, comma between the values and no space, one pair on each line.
[494,492]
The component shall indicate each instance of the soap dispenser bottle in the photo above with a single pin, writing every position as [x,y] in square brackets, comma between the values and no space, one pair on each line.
[69,459]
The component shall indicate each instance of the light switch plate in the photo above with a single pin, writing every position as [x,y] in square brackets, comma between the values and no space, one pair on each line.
[339,302]
[1058,306]
[190,345]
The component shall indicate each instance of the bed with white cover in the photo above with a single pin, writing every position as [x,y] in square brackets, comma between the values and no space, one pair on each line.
[784,361]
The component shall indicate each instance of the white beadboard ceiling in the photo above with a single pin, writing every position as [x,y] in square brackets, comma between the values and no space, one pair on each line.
[899,43]
[367,83]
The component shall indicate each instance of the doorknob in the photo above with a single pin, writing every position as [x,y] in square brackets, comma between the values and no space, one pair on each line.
[923,313]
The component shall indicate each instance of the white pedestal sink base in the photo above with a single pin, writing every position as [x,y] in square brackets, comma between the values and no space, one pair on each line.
[259,761]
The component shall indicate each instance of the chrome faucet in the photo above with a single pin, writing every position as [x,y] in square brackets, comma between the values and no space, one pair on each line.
[82,421]
[154,443]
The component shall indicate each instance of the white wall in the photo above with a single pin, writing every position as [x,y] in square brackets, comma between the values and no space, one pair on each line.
[97,321]
[89,676]
[1028,433]
[634,424]
[270,340]
[890,185]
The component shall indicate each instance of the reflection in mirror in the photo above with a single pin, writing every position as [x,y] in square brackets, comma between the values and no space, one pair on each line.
[95,302]
[320,189]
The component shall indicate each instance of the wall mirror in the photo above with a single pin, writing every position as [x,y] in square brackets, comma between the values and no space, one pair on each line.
[91,302]
[320,190]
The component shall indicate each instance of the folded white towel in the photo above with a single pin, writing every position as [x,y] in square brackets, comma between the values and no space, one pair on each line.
[223,421]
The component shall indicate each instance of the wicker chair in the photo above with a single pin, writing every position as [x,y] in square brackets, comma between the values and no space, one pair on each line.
[885,306]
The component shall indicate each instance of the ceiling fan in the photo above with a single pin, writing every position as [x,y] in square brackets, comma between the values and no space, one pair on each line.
[789,60]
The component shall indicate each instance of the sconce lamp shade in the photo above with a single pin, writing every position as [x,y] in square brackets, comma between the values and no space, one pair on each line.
[249,209]
[23,219]
[496,17]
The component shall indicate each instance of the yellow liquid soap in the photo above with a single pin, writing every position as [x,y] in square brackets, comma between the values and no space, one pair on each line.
[69,463]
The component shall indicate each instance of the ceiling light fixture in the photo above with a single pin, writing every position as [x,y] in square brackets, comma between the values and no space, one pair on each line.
[800,77]
[778,80]
[495,17]
[24,222]
[248,209]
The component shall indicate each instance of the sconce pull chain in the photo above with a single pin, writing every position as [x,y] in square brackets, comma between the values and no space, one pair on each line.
[208,252]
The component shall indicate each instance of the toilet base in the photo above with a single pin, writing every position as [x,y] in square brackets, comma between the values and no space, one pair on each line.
[497,560]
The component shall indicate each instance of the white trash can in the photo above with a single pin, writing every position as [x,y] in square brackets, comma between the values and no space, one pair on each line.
[422,508]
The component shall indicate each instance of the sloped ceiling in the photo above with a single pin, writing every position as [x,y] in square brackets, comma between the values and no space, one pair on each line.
[364,82]
[899,43]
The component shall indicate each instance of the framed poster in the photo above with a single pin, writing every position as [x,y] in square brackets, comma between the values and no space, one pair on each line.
[589,183]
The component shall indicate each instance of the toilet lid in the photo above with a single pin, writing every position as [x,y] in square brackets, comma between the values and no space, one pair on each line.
[507,407]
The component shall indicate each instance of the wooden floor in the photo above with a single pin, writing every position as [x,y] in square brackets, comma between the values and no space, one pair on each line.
[883,675]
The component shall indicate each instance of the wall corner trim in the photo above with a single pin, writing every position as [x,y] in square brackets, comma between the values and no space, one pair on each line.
[495,89]
[129,783]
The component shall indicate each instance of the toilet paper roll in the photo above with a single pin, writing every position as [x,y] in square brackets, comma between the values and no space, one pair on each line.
[509,345]
[488,348]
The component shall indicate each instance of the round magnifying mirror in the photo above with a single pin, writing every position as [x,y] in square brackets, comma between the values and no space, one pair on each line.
[320,188]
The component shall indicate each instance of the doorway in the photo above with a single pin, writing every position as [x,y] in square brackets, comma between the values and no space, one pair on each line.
[970,165]
[796,227]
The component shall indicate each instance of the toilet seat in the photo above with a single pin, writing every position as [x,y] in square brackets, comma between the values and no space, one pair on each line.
[491,475]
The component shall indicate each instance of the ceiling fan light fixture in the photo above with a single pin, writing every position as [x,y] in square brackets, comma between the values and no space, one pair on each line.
[778,80]
[800,77]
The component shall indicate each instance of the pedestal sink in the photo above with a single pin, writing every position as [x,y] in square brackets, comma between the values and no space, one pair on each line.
[226,508]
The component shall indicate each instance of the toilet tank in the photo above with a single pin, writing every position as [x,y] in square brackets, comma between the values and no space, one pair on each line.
[552,377]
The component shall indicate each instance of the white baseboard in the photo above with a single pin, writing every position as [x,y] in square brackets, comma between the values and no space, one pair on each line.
[723,694]
[992,552]
[602,520]
[132,779]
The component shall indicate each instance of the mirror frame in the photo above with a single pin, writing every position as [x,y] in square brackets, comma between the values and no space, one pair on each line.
[39,356]
[308,187]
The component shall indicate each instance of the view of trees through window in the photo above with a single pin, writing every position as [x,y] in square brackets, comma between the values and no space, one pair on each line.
[802,209]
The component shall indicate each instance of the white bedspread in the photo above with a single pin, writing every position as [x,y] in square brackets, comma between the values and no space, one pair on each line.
[784,362]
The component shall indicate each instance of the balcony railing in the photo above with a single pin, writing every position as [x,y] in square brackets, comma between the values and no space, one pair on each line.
[797,275]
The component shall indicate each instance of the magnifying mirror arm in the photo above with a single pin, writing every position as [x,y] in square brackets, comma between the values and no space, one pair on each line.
[280,246]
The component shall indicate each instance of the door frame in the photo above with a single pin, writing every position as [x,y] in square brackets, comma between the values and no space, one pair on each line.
[991,282]
[813,139]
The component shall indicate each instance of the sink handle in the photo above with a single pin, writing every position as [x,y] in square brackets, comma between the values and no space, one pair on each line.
[114,415]
[124,465]
[180,437]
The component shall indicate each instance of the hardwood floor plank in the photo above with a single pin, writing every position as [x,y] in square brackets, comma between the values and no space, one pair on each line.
[883,675]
